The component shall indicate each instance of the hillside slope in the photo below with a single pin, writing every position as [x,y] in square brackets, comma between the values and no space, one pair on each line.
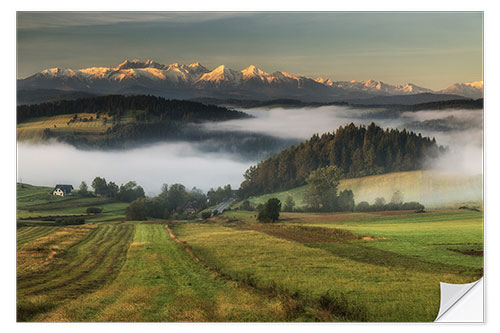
[431,188]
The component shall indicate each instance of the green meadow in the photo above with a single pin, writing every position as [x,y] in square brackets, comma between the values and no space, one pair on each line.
[390,273]
[379,266]
[432,189]
[32,129]
[37,202]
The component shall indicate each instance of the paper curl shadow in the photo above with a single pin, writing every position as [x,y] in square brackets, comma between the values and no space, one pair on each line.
[453,294]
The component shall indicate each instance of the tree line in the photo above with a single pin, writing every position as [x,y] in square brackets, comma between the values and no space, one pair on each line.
[355,151]
[174,201]
[323,196]
[149,108]
[125,192]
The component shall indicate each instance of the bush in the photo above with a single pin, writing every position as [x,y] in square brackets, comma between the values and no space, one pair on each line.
[289,204]
[363,206]
[245,205]
[94,210]
[345,201]
[270,211]
[70,221]
[137,210]
[206,214]
[412,205]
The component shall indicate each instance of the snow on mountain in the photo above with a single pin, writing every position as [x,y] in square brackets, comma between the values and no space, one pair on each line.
[197,69]
[378,87]
[254,73]
[411,88]
[94,72]
[57,73]
[468,89]
[326,82]
[195,79]
[221,75]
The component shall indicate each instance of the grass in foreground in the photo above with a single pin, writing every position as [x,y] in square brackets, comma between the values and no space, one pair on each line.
[160,282]
[84,265]
[392,276]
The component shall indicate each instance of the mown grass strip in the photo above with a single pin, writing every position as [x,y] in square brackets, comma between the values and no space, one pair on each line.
[84,267]
[160,282]
[27,234]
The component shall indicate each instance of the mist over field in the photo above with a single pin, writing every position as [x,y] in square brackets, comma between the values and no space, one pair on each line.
[150,167]
[192,164]
[459,130]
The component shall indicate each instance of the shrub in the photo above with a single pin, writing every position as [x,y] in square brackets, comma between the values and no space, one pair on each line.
[136,210]
[206,214]
[345,201]
[289,204]
[412,205]
[70,221]
[245,205]
[270,211]
[94,210]
[363,206]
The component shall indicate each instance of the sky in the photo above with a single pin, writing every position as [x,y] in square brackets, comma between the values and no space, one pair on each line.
[430,49]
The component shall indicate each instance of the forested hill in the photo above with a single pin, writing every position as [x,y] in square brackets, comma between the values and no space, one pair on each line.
[116,105]
[358,151]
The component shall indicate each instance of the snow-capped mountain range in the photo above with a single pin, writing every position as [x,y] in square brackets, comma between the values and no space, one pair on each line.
[194,80]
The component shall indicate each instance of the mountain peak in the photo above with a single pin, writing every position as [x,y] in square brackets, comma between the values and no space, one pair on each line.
[326,82]
[250,80]
[221,68]
[128,64]
[252,72]
[221,74]
[468,89]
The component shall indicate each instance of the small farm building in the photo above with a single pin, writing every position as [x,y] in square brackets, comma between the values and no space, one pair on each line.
[62,190]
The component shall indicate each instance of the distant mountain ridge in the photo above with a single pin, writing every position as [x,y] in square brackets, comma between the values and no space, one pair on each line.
[195,81]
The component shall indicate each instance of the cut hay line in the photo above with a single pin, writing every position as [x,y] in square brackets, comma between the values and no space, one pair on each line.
[72,274]
[82,270]
[31,233]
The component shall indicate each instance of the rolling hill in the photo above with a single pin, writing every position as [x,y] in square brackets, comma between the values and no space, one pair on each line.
[431,188]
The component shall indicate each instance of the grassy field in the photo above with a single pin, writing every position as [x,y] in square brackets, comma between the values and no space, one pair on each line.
[432,189]
[380,266]
[32,130]
[135,272]
[82,267]
[37,201]
[389,272]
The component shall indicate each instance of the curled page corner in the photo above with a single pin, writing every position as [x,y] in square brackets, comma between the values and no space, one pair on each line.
[461,302]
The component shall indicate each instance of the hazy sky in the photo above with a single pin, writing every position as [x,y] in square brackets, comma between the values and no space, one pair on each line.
[433,50]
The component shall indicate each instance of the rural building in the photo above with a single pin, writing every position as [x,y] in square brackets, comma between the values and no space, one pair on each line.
[62,190]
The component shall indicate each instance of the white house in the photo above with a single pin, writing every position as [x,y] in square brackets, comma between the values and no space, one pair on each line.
[62,190]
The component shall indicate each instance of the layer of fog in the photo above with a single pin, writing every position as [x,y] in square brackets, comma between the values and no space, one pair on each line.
[193,165]
[150,167]
[461,131]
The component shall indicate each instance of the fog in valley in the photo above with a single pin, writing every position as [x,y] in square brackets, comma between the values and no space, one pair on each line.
[150,166]
[192,165]
[459,130]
